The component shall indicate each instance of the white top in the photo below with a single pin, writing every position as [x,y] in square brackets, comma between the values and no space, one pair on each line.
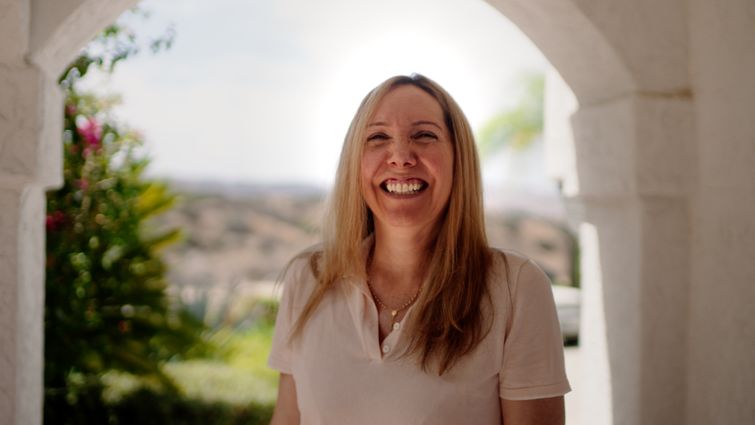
[344,376]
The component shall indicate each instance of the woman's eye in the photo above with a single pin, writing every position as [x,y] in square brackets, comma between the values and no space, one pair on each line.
[426,135]
[377,137]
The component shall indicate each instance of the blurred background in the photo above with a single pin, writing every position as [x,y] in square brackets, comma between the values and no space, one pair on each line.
[201,141]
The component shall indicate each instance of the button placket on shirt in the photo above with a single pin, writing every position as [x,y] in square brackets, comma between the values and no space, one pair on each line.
[377,350]
[365,318]
[391,340]
[387,347]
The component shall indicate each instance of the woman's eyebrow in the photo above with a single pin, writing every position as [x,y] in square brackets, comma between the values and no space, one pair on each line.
[415,123]
[427,122]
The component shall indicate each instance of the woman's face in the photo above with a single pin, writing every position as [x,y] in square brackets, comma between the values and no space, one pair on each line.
[407,161]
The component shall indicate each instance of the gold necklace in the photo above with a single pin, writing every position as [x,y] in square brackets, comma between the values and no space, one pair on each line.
[393,311]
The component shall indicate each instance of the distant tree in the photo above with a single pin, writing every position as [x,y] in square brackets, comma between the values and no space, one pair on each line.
[520,125]
[106,305]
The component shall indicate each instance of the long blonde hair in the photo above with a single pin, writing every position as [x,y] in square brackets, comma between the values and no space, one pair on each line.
[448,321]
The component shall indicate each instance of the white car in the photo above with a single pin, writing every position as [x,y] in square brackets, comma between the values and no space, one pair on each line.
[568,302]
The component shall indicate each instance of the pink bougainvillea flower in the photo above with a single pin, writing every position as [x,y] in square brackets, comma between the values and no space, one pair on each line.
[50,223]
[91,132]
[82,184]
[55,220]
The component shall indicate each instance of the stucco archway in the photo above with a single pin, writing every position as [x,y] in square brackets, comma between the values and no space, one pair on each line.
[635,114]
[662,205]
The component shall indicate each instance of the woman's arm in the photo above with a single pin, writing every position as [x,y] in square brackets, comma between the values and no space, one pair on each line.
[286,408]
[541,411]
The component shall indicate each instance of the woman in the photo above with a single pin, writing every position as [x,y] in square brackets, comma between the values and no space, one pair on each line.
[404,315]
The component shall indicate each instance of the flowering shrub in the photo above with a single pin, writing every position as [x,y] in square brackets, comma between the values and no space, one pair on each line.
[106,307]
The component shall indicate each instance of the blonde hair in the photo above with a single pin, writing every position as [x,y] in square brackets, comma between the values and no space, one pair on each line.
[448,321]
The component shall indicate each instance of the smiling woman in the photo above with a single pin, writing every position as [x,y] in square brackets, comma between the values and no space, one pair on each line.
[404,314]
[407,161]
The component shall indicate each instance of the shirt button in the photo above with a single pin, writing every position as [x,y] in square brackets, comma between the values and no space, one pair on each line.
[396,326]
[386,348]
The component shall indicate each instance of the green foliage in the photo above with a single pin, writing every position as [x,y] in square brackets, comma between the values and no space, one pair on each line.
[520,125]
[106,301]
[117,349]
[235,387]
[146,407]
[106,305]
[248,351]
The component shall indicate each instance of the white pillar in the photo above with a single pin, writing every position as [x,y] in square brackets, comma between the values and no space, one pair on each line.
[21,305]
[634,166]
[37,39]
[30,161]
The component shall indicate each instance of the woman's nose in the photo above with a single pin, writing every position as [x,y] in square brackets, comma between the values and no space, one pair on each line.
[402,155]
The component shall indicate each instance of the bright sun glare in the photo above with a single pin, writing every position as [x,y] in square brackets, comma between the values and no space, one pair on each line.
[263,92]
[398,51]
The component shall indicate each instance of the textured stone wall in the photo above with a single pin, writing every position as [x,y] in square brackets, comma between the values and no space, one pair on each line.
[721,363]
[31,122]
[30,160]
[15,16]
[21,304]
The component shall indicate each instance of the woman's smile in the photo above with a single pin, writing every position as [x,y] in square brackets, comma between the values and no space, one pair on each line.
[404,188]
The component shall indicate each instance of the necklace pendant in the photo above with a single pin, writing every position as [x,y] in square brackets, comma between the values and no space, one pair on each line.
[394,313]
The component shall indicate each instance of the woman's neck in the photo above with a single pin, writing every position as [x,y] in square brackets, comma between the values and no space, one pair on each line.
[399,258]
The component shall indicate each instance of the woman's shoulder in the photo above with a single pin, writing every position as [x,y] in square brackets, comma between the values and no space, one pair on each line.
[512,269]
[509,260]
[309,255]
[302,269]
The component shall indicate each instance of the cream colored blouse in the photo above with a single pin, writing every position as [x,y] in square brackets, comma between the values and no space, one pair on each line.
[344,376]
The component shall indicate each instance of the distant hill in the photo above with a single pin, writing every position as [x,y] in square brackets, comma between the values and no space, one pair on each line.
[242,190]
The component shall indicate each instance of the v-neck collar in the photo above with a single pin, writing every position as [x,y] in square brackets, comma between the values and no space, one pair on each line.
[364,313]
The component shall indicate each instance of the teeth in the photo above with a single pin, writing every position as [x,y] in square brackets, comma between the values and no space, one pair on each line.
[403,188]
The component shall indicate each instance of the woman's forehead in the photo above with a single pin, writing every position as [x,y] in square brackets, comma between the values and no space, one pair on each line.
[406,104]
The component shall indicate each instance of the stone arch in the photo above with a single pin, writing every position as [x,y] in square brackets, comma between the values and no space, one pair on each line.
[586,52]
[635,113]
[635,188]
[57,33]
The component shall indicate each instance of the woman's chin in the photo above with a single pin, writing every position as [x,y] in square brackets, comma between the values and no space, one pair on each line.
[405,219]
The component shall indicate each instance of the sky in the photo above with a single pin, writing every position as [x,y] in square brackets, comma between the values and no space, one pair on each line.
[263,91]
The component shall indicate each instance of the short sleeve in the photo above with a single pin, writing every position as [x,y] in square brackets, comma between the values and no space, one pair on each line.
[533,354]
[281,351]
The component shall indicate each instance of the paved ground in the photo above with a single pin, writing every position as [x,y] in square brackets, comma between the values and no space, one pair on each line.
[571,356]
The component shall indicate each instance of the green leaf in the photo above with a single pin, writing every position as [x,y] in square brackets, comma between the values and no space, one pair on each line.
[154,200]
